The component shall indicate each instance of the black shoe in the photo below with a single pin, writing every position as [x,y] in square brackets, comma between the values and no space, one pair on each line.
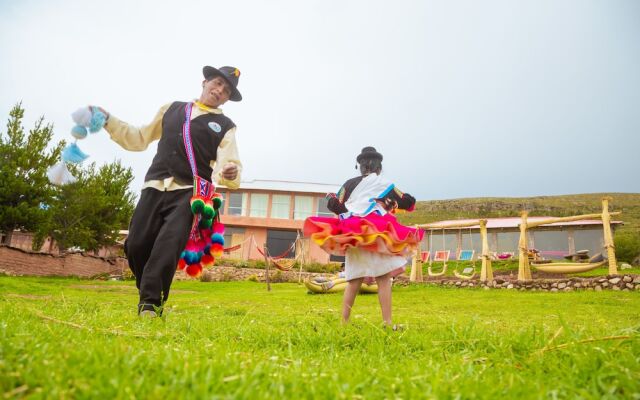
[149,310]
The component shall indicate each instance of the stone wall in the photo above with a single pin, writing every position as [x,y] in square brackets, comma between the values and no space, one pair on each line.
[611,282]
[15,261]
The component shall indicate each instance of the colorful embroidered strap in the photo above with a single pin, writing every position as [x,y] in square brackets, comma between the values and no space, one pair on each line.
[201,186]
[186,137]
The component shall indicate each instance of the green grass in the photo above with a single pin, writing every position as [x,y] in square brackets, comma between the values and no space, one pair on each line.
[68,338]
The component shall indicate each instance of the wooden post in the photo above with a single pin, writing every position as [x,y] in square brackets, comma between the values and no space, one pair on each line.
[524,270]
[416,268]
[416,271]
[266,265]
[486,273]
[608,237]
[571,241]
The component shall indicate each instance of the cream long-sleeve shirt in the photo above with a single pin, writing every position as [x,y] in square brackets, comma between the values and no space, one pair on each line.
[138,139]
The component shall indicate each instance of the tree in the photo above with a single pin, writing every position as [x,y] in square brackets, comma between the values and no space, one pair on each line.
[90,212]
[24,161]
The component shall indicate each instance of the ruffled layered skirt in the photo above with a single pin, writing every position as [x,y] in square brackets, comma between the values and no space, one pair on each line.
[373,245]
[375,233]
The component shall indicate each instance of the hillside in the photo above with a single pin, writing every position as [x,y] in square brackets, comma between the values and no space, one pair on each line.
[556,206]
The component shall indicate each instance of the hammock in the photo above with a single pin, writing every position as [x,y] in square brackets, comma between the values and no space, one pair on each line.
[280,262]
[568,268]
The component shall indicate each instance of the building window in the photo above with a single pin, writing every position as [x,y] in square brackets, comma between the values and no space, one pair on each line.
[323,211]
[230,232]
[237,203]
[303,207]
[280,205]
[259,202]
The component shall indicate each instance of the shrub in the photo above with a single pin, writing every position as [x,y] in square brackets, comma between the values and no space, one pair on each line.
[627,246]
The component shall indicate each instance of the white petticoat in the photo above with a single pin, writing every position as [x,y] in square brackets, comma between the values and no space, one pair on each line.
[361,263]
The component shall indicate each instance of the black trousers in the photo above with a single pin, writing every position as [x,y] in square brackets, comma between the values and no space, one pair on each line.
[158,233]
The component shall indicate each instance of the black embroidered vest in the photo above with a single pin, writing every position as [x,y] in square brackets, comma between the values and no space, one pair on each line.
[207,131]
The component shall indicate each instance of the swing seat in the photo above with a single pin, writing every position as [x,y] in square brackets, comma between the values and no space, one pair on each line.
[425,256]
[440,256]
[466,277]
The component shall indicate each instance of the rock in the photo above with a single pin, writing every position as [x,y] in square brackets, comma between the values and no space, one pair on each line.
[471,284]
[625,266]
[601,280]
[562,285]
[638,287]
[458,283]
[636,279]
[598,288]
[486,288]
[510,286]
[554,285]
[577,285]
[605,284]
[629,285]
[627,278]
[615,288]
[499,281]
[614,281]
[568,289]
[625,290]
[553,290]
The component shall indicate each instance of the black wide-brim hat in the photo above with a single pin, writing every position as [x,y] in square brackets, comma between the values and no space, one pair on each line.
[369,152]
[229,74]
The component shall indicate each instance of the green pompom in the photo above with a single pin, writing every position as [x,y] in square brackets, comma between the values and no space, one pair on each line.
[197,205]
[206,223]
[217,202]
[208,211]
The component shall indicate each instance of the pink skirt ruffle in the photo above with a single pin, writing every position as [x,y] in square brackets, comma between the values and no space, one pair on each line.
[377,233]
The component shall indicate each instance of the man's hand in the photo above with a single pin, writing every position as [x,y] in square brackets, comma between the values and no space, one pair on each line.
[388,204]
[230,171]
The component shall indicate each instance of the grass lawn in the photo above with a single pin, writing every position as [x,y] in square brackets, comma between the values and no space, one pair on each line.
[69,338]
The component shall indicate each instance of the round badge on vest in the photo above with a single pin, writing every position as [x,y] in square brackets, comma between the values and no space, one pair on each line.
[215,127]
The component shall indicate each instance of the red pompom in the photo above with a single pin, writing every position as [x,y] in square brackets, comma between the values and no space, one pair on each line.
[194,270]
[216,250]
[207,261]
[181,264]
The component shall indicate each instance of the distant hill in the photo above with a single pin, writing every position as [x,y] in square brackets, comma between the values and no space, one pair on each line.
[554,206]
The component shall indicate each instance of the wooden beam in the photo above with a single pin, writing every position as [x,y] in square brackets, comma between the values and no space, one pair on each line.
[448,226]
[533,224]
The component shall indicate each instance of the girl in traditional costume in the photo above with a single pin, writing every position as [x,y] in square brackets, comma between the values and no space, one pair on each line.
[366,232]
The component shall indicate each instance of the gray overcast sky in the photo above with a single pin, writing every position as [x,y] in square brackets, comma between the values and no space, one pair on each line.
[463,98]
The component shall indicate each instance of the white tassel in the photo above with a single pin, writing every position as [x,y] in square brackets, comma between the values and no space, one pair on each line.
[59,174]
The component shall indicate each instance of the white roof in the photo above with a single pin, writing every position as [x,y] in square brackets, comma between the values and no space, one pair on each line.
[289,186]
[514,222]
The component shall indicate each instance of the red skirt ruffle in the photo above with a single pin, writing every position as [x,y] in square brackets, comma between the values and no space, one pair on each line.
[375,232]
